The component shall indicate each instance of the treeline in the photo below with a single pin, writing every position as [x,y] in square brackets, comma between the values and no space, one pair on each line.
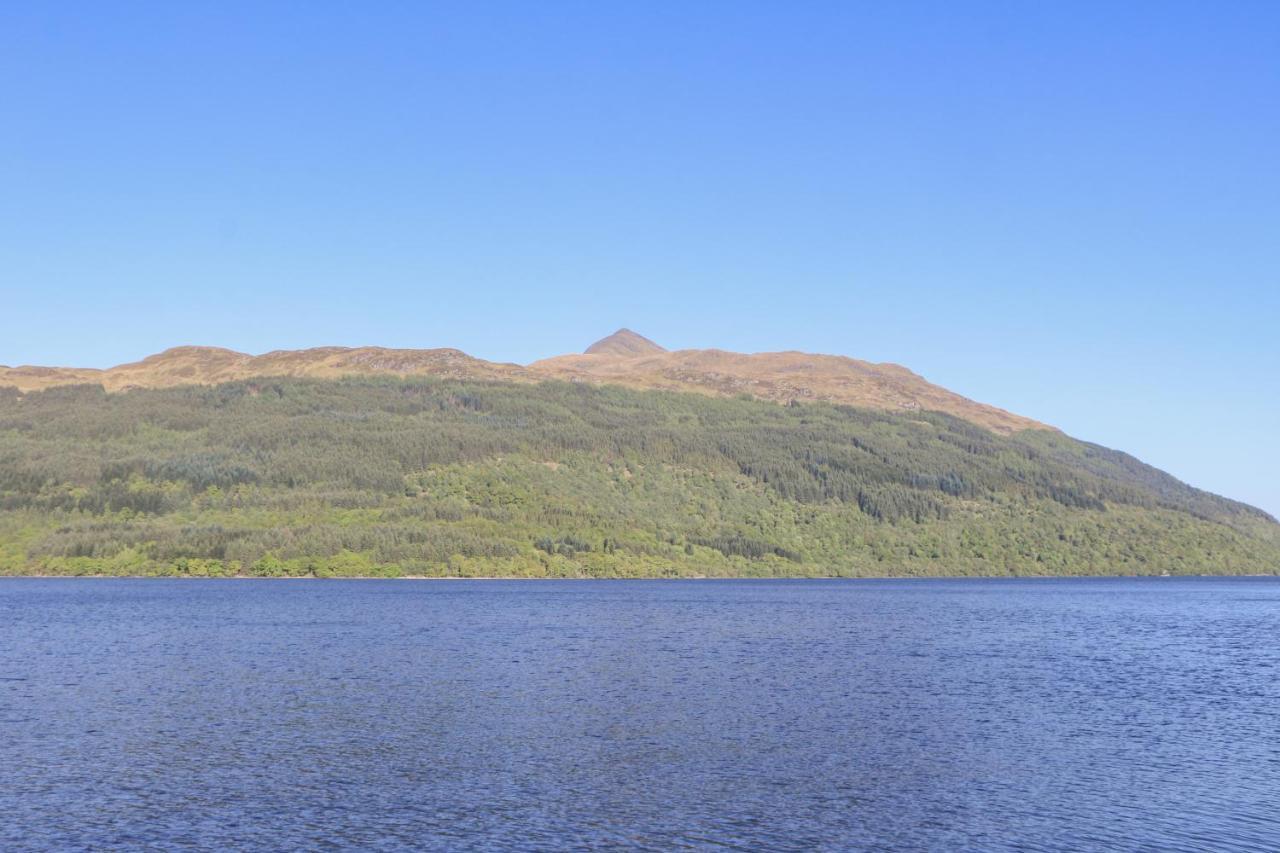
[387,476]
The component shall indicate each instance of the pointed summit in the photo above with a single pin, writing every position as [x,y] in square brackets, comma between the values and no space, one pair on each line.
[624,342]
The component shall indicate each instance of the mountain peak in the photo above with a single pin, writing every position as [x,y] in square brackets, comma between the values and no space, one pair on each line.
[624,342]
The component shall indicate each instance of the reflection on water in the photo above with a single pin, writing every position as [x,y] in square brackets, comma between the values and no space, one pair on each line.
[1048,715]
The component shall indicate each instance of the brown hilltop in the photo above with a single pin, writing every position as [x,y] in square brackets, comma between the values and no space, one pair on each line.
[624,358]
[624,342]
[211,365]
[778,376]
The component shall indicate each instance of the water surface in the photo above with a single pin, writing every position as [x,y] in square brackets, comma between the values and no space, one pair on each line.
[1052,715]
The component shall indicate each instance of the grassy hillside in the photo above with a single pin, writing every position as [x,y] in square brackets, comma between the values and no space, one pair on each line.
[435,477]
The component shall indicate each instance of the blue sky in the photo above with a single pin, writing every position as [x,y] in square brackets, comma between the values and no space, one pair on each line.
[1070,210]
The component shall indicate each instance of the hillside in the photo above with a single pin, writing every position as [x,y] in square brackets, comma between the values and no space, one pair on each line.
[433,476]
[212,365]
[624,358]
[782,377]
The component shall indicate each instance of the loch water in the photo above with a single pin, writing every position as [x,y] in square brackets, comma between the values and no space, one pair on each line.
[917,714]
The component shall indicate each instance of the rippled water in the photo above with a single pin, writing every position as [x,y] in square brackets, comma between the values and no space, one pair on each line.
[1067,714]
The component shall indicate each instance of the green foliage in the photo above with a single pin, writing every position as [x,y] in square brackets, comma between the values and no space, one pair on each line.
[386,477]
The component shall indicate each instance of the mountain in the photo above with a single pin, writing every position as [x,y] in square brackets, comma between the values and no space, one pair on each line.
[624,358]
[392,462]
[624,343]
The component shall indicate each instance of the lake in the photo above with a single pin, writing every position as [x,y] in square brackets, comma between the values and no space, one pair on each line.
[941,714]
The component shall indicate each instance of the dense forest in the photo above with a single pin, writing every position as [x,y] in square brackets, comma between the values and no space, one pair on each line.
[390,477]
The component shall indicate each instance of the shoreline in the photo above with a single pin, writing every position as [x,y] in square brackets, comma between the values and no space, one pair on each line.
[1275,574]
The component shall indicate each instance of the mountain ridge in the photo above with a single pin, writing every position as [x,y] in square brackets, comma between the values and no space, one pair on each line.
[623,358]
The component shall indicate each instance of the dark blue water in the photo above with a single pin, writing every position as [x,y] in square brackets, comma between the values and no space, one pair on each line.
[1056,715]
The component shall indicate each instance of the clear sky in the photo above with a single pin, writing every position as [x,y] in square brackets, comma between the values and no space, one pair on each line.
[1071,210]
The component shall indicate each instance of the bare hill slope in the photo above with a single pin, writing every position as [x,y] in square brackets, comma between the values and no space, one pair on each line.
[623,358]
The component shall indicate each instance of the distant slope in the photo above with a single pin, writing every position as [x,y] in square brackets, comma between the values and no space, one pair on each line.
[427,476]
[211,365]
[625,343]
[624,358]
[782,377]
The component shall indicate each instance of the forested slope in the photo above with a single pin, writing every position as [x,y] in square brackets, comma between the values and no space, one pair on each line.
[383,476]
